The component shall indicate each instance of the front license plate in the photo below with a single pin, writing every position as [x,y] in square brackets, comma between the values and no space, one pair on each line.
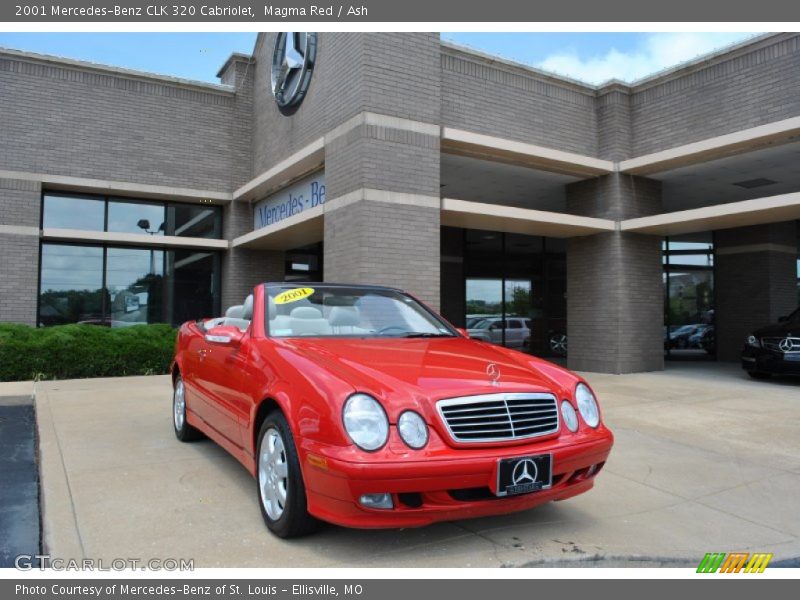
[793,357]
[524,474]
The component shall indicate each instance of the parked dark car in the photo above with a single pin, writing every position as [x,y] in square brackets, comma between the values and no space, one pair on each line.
[774,349]
[679,338]
[704,338]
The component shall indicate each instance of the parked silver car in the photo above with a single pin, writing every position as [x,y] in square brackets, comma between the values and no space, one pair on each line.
[490,329]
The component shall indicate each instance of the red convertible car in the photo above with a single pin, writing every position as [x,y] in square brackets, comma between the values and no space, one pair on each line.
[359,406]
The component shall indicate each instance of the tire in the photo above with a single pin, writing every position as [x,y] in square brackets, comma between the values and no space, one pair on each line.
[183,431]
[281,491]
[759,374]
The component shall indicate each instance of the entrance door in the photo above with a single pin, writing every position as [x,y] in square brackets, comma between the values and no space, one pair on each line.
[515,291]
[689,297]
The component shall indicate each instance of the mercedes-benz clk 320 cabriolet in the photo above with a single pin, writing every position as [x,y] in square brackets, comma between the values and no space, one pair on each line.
[359,406]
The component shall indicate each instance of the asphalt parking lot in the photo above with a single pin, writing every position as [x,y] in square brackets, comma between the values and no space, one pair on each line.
[19,482]
[705,460]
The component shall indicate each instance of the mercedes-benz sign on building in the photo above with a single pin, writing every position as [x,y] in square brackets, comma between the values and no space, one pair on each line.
[618,225]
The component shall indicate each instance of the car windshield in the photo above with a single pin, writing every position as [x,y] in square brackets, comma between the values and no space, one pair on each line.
[319,310]
[484,324]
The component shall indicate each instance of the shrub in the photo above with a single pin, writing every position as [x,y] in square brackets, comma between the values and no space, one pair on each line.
[79,351]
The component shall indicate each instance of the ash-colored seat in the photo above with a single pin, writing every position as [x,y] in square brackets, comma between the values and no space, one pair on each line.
[344,319]
[279,325]
[239,315]
[307,320]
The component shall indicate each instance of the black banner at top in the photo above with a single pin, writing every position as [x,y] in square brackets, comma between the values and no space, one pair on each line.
[378,11]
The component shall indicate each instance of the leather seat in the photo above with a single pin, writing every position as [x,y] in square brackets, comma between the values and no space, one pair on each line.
[344,318]
[307,320]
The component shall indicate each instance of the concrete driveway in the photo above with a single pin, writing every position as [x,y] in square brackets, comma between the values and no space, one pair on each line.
[705,460]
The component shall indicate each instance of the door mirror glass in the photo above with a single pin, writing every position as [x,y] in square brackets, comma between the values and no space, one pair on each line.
[224,335]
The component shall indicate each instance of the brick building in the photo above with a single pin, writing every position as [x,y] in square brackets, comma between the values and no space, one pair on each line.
[628,220]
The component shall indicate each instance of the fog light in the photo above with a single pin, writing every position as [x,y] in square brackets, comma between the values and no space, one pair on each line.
[376,501]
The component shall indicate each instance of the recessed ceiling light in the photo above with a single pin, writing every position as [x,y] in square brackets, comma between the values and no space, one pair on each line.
[754,183]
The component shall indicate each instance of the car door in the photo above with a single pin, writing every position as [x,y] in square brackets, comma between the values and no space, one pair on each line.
[193,373]
[220,375]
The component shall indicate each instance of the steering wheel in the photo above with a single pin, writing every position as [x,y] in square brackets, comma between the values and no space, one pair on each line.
[389,328]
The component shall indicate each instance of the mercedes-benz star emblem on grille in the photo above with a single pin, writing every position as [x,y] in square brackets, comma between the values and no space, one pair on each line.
[786,345]
[525,471]
[493,371]
[292,65]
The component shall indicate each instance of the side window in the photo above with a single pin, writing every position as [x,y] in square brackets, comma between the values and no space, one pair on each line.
[514,324]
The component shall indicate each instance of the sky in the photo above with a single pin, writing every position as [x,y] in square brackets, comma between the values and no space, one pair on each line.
[590,57]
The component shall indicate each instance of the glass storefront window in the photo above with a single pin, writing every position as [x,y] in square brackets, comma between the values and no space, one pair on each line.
[135,282]
[135,217]
[119,287]
[73,212]
[189,220]
[192,285]
[128,215]
[71,284]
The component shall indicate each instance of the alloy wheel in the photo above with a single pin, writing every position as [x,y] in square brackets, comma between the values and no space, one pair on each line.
[179,405]
[273,473]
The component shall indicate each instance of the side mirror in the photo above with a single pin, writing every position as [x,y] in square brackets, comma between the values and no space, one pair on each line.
[463,331]
[224,335]
[783,319]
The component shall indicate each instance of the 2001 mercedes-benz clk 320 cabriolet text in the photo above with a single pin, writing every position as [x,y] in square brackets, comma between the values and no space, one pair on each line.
[359,406]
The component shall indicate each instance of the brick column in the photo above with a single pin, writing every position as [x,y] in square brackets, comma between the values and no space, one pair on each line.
[20,203]
[755,281]
[382,217]
[615,293]
[243,268]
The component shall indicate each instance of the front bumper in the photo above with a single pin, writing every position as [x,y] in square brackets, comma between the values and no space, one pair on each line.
[427,491]
[767,361]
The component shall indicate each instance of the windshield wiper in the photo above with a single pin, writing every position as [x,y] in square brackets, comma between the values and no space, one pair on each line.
[417,334]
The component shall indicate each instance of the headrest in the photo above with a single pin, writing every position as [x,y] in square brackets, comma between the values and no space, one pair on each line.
[306,312]
[344,316]
[235,312]
[247,310]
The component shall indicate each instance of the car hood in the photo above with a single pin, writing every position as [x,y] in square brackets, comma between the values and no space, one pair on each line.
[779,330]
[429,369]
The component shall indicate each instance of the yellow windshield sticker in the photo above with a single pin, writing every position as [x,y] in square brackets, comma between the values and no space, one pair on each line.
[293,295]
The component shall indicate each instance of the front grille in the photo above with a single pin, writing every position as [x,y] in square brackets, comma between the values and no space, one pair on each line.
[787,345]
[498,417]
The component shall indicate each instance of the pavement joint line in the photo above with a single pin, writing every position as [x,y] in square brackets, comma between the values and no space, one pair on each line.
[699,448]
[66,476]
[792,537]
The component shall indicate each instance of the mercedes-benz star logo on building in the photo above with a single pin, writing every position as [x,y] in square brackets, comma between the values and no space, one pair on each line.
[525,471]
[493,371]
[786,345]
[292,65]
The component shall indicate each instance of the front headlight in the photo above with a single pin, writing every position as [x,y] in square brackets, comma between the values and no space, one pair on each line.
[365,422]
[587,405]
[753,341]
[569,416]
[413,429]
